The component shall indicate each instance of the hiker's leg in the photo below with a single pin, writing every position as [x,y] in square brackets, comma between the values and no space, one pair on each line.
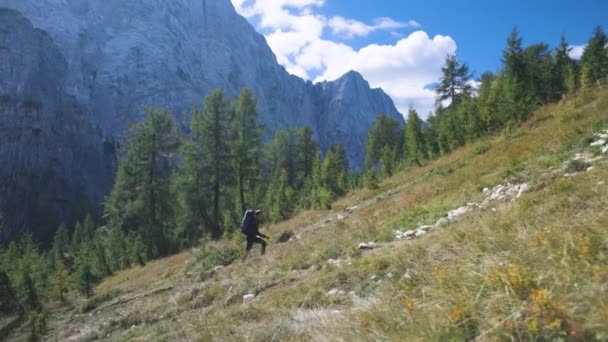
[263,243]
[248,248]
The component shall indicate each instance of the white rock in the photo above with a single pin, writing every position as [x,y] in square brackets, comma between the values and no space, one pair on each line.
[601,183]
[420,233]
[600,142]
[217,268]
[351,209]
[410,234]
[602,136]
[373,277]
[426,228]
[521,189]
[442,222]
[364,245]
[340,217]
[486,190]
[332,292]
[248,298]
[457,213]
[493,210]
[334,262]
[390,275]
[590,168]
[407,275]
[605,149]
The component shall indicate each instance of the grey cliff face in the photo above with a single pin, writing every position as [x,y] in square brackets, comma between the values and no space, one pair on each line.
[55,166]
[124,55]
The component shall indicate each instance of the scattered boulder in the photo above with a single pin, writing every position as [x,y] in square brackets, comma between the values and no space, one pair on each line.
[218,268]
[598,143]
[248,298]
[420,233]
[351,209]
[334,292]
[442,222]
[340,217]
[367,246]
[285,237]
[456,214]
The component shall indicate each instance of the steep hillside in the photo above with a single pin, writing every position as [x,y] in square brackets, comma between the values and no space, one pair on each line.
[505,238]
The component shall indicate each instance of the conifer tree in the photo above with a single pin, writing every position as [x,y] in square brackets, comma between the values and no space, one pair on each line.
[211,133]
[77,237]
[308,151]
[8,302]
[594,61]
[414,139]
[563,66]
[247,147]
[84,277]
[60,245]
[88,228]
[454,82]
[142,199]
[384,133]
[59,282]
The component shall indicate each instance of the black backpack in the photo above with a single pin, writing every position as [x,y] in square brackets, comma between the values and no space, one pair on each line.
[248,223]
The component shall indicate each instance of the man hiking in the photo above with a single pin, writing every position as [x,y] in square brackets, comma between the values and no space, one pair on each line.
[250,227]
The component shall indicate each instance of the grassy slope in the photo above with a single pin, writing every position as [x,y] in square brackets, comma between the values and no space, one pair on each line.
[534,266]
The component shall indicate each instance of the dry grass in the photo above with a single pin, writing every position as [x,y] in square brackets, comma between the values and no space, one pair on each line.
[533,269]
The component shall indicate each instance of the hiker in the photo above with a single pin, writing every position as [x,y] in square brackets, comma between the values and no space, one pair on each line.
[249,227]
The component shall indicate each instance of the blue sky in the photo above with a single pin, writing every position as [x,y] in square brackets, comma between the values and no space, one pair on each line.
[400,45]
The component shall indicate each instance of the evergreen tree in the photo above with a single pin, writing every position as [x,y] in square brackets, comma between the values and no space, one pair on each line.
[594,61]
[247,147]
[84,277]
[279,197]
[137,251]
[572,81]
[516,93]
[59,282]
[414,139]
[77,237]
[308,151]
[211,132]
[88,228]
[539,73]
[454,82]
[8,302]
[142,199]
[284,152]
[562,67]
[333,173]
[60,245]
[384,135]
[100,264]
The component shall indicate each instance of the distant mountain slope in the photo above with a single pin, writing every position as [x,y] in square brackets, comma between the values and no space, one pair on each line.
[54,165]
[123,55]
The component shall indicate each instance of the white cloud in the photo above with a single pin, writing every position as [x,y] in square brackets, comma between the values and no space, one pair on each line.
[349,28]
[296,32]
[577,51]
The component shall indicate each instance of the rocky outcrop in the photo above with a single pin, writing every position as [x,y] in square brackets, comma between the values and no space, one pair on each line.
[55,166]
[123,55]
